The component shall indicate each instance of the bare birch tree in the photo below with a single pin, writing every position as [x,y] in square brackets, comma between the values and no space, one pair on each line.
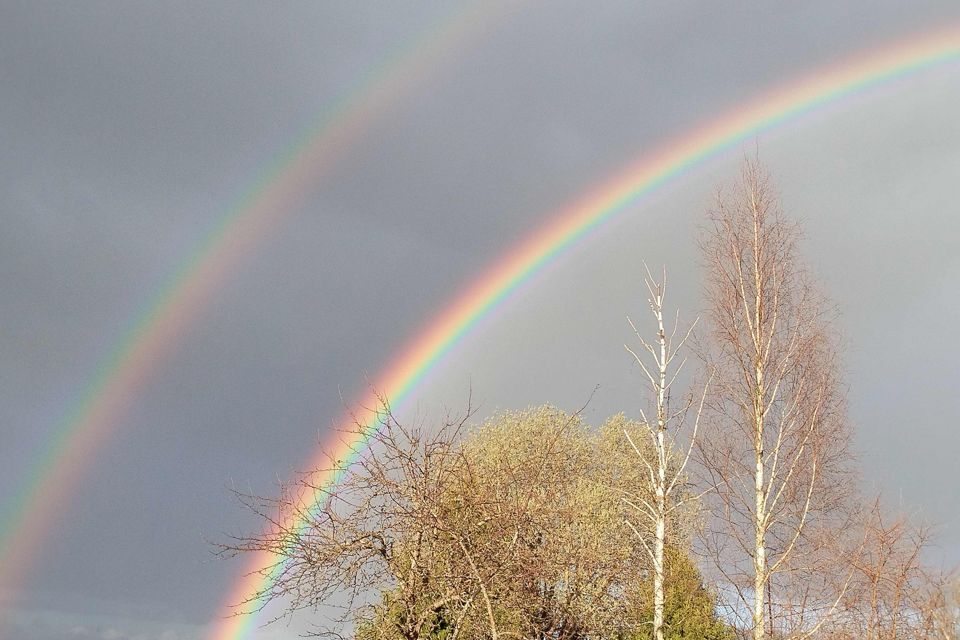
[665,468]
[777,445]
[890,590]
[941,607]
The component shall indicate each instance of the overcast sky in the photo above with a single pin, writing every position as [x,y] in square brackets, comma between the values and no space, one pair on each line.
[130,128]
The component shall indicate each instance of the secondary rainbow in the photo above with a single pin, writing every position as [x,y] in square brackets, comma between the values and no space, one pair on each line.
[576,222]
[166,318]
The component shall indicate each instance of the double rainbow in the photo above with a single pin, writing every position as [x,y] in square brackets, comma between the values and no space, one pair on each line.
[169,315]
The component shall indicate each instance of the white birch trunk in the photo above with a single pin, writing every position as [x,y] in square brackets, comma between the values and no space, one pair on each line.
[661,485]
[760,550]
[759,402]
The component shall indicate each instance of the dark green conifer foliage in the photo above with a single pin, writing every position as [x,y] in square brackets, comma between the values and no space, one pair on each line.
[690,608]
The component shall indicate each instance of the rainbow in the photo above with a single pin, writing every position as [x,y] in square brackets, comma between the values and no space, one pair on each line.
[573,224]
[167,317]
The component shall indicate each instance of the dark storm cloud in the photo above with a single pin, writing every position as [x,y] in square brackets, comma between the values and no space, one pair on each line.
[130,128]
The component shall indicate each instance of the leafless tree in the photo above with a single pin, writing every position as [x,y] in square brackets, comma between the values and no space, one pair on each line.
[374,529]
[890,575]
[941,607]
[893,595]
[776,445]
[664,463]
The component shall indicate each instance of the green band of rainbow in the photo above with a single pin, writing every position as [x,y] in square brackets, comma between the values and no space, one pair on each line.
[571,225]
[179,304]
